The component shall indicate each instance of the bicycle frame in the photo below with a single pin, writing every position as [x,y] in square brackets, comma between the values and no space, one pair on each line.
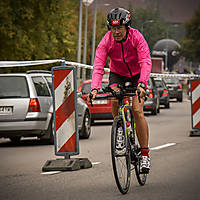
[121,113]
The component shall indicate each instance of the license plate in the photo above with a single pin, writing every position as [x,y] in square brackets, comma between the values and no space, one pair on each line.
[6,109]
[100,102]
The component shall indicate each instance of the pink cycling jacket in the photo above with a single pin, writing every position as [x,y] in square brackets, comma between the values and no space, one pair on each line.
[134,51]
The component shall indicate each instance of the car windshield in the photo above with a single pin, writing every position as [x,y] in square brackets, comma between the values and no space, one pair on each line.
[86,88]
[159,83]
[13,87]
[171,80]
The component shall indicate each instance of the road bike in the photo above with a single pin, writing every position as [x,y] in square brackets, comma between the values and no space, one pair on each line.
[125,150]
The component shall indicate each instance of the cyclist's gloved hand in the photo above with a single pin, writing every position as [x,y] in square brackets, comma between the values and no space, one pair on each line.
[141,87]
[92,95]
[142,92]
[115,88]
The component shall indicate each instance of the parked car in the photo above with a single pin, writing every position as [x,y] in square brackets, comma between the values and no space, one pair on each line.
[84,118]
[26,107]
[163,91]
[152,103]
[175,88]
[101,109]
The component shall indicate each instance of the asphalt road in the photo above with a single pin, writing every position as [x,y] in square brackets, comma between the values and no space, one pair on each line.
[175,172]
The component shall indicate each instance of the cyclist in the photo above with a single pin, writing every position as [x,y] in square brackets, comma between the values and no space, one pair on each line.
[130,61]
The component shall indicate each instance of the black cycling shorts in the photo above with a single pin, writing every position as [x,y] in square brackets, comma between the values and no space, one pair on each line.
[119,79]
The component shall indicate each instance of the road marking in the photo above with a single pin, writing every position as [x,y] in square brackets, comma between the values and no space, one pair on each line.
[96,163]
[56,172]
[163,146]
[50,173]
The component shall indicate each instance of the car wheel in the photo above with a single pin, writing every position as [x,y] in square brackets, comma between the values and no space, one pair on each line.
[158,109]
[92,121]
[86,127]
[158,105]
[167,105]
[49,134]
[154,111]
[180,99]
[15,139]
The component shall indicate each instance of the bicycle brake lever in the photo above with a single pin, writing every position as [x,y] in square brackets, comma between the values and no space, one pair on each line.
[113,93]
[90,97]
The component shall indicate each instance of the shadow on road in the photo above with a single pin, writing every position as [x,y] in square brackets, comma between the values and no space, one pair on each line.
[23,143]
[102,123]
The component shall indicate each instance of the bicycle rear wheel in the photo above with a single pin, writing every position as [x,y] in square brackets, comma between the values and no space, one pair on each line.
[141,177]
[120,156]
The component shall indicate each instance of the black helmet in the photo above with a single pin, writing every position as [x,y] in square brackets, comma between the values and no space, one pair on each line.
[118,16]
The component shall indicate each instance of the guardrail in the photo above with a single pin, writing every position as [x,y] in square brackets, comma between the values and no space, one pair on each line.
[27,63]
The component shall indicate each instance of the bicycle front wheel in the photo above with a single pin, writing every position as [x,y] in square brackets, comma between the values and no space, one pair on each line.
[120,156]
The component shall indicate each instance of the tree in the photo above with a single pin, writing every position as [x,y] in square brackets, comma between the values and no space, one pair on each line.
[34,29]
[191,42]
[101,29]
[152,31]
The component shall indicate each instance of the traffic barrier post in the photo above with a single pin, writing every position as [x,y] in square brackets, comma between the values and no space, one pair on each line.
[66,136]
[195,106]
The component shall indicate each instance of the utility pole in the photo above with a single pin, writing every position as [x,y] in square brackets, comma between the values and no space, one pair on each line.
[94,32]
[87,3]
[79,38]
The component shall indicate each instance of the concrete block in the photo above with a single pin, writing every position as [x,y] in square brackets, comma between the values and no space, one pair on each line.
[71,164]
[194,133]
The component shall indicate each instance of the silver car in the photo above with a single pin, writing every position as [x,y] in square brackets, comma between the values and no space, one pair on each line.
[26,107]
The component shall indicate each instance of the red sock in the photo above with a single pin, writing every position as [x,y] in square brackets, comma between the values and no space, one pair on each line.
[145,152]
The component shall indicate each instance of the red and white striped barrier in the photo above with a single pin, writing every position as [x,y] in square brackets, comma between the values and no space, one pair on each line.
[195,102]
[66,140]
